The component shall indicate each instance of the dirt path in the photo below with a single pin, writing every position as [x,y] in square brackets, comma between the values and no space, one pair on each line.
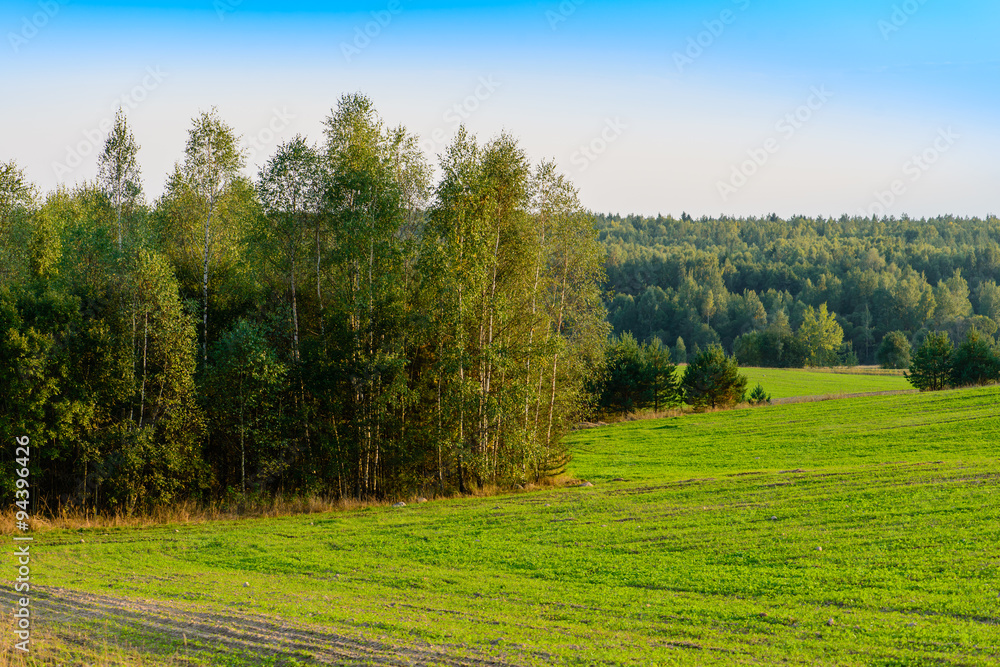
[833,397]
[167,629]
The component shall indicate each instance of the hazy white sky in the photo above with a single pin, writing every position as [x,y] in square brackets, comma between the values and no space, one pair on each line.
[741,107]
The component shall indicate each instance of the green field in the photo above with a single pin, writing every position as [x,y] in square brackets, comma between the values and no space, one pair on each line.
[856,531]
[794,382]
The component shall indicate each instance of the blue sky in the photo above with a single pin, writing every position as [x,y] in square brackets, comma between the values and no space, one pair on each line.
[741,107]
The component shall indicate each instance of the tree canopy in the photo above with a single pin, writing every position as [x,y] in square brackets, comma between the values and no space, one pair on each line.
[753,279]
[337,325]
[713,380]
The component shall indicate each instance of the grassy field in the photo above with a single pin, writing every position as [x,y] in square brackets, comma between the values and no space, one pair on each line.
[783,383]
[858,531]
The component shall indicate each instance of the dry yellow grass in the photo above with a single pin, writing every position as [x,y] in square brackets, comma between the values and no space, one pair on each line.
[184,512]
[251,507]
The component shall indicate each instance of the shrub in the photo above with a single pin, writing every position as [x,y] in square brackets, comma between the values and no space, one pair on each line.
[713,379]
[975,361]
[894,352]
[758,396]
[930,369]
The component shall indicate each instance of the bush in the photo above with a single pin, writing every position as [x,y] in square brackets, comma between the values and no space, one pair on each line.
[713,379]
[975,362]
[894,352]
[930,369]
[638,377]
[847,355]
[759,397]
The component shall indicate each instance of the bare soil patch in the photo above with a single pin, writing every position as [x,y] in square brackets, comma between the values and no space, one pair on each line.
[194,635]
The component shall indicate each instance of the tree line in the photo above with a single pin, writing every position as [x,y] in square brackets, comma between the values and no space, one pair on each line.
[938,364]
[791,292]
[644,376]
[339,324]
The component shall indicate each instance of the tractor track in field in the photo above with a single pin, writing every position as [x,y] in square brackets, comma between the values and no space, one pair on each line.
[821,398]
[192,635]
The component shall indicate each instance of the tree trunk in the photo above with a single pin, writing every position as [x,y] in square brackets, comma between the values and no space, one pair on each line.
[243,451]
[295,313]
[145,340]
[204,284]
[118,208]
[534,315]
[555,357]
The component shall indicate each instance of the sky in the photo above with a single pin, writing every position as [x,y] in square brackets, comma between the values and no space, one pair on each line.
[723,107]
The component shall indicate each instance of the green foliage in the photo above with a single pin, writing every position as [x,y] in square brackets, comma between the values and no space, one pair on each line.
[848,357]
[679,354]
[638,377]
[359,337]
[877,275]
[713,379]
[988,298]
[243,387]
[161,453]
[774,347]
[33,366]
[820,336]
[975,361]
[663,379]
[758,396]
[625,385]
[206,210]
[100,376]
[894,351]
[17,195]
[930,368]
[45,245]
[118,173]
[951,298]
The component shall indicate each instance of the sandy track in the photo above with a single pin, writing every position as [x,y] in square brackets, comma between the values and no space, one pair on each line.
[202,633]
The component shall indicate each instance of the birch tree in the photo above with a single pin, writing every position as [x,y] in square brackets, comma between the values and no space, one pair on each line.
[365,213]
[212,161]
[118,172]
[17,199]
[289,187]
[161,432]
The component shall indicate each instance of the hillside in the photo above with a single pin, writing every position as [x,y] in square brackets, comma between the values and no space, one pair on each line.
[785,383]
[712,280]
[859,530]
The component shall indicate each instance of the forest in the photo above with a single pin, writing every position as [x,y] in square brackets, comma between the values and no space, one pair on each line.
[802,291]
[347,324]
[337,325]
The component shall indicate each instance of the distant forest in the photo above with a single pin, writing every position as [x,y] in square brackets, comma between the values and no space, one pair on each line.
[750,284]
[337,325]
